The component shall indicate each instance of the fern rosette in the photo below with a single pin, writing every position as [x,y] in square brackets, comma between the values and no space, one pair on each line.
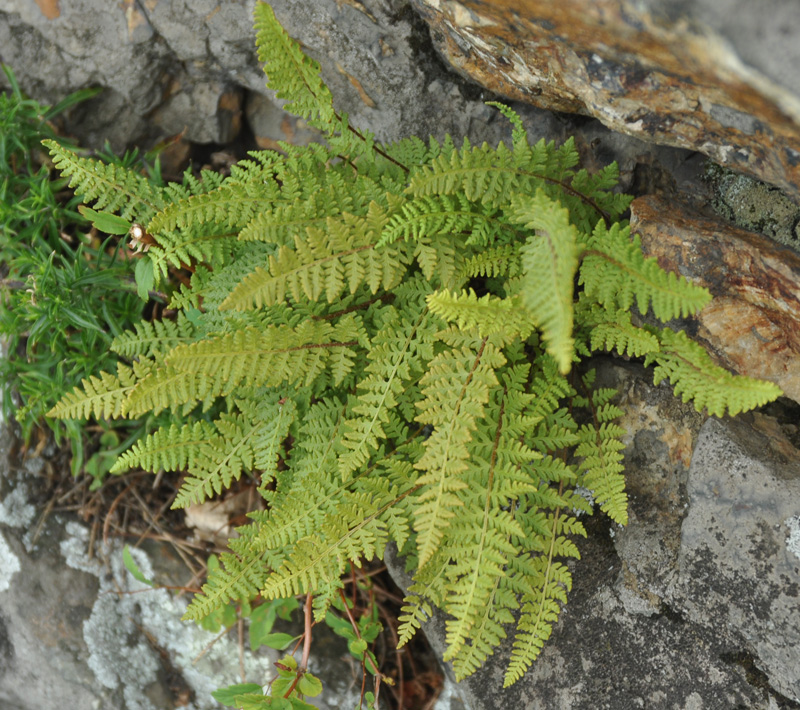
[389,339]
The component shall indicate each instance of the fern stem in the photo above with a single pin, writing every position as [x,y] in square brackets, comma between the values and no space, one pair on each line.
[384,297]
[353,623]
[575,193]
[307,638]
[378,150]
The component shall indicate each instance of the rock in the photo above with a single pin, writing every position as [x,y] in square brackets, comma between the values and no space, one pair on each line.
[755,206]
[80,632]
[666,613]
[736,568]
[714,76]
[169,65]
[753,325]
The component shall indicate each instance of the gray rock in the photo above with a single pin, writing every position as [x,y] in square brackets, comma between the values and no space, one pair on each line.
[736,568]
[80,632]
[168,66]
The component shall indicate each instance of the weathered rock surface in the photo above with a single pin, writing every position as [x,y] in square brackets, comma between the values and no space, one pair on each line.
[714,76]
[694,604]
[753,324]
[170,66]
[79,632]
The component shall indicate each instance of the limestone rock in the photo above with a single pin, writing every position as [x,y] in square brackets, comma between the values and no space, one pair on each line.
[753,325]
[169,66]
[714,76]
[78,632]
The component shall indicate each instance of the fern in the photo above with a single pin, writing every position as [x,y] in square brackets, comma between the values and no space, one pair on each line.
[695,377]
[392,341]
[549,262]
[109,187]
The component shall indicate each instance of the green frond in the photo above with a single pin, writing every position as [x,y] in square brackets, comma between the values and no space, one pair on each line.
[152,338]
[240,444]
[229,207]
[548,582]
[323,264]
[549,262]
[251,357]
[616,275]
[111,188]
[235,579]
[209,180]
[98,397]
[291,73]
[615,331]
[440,260]
[480,541]
[397,355]
[431,216]
[354,533]
[694,376]
[519,136]
[284,220]
[302,502]
[482,174]
[496,261]
[601,466]
[178,249]
[467,373]
[488,315]
[170,448]
[427,590]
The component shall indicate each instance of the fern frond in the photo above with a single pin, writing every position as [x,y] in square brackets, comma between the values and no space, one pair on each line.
[482,174]
[615,331]
[302,503]
[111,188]
[179,250]
[250,357]
[616,274]
[235,579]
[151,338]
[291,73]
[430,216]
[467,373]
[241,443]
[548,582]
[100,397]
[170,448]
[488,315]
[397,355]
[480,541]
[601,466]
[496,261]
[354,533]
[549,262]
[440,260]
[230,207]
[324,263]
[282,221]
[694,376]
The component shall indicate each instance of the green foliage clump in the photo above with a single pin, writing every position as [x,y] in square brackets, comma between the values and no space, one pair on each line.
[390,339]
[63,295]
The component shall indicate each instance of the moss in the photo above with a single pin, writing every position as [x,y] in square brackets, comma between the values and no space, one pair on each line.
[754,205]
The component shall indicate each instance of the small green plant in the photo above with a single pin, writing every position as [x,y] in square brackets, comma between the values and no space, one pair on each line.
[392,340]
[64,295]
